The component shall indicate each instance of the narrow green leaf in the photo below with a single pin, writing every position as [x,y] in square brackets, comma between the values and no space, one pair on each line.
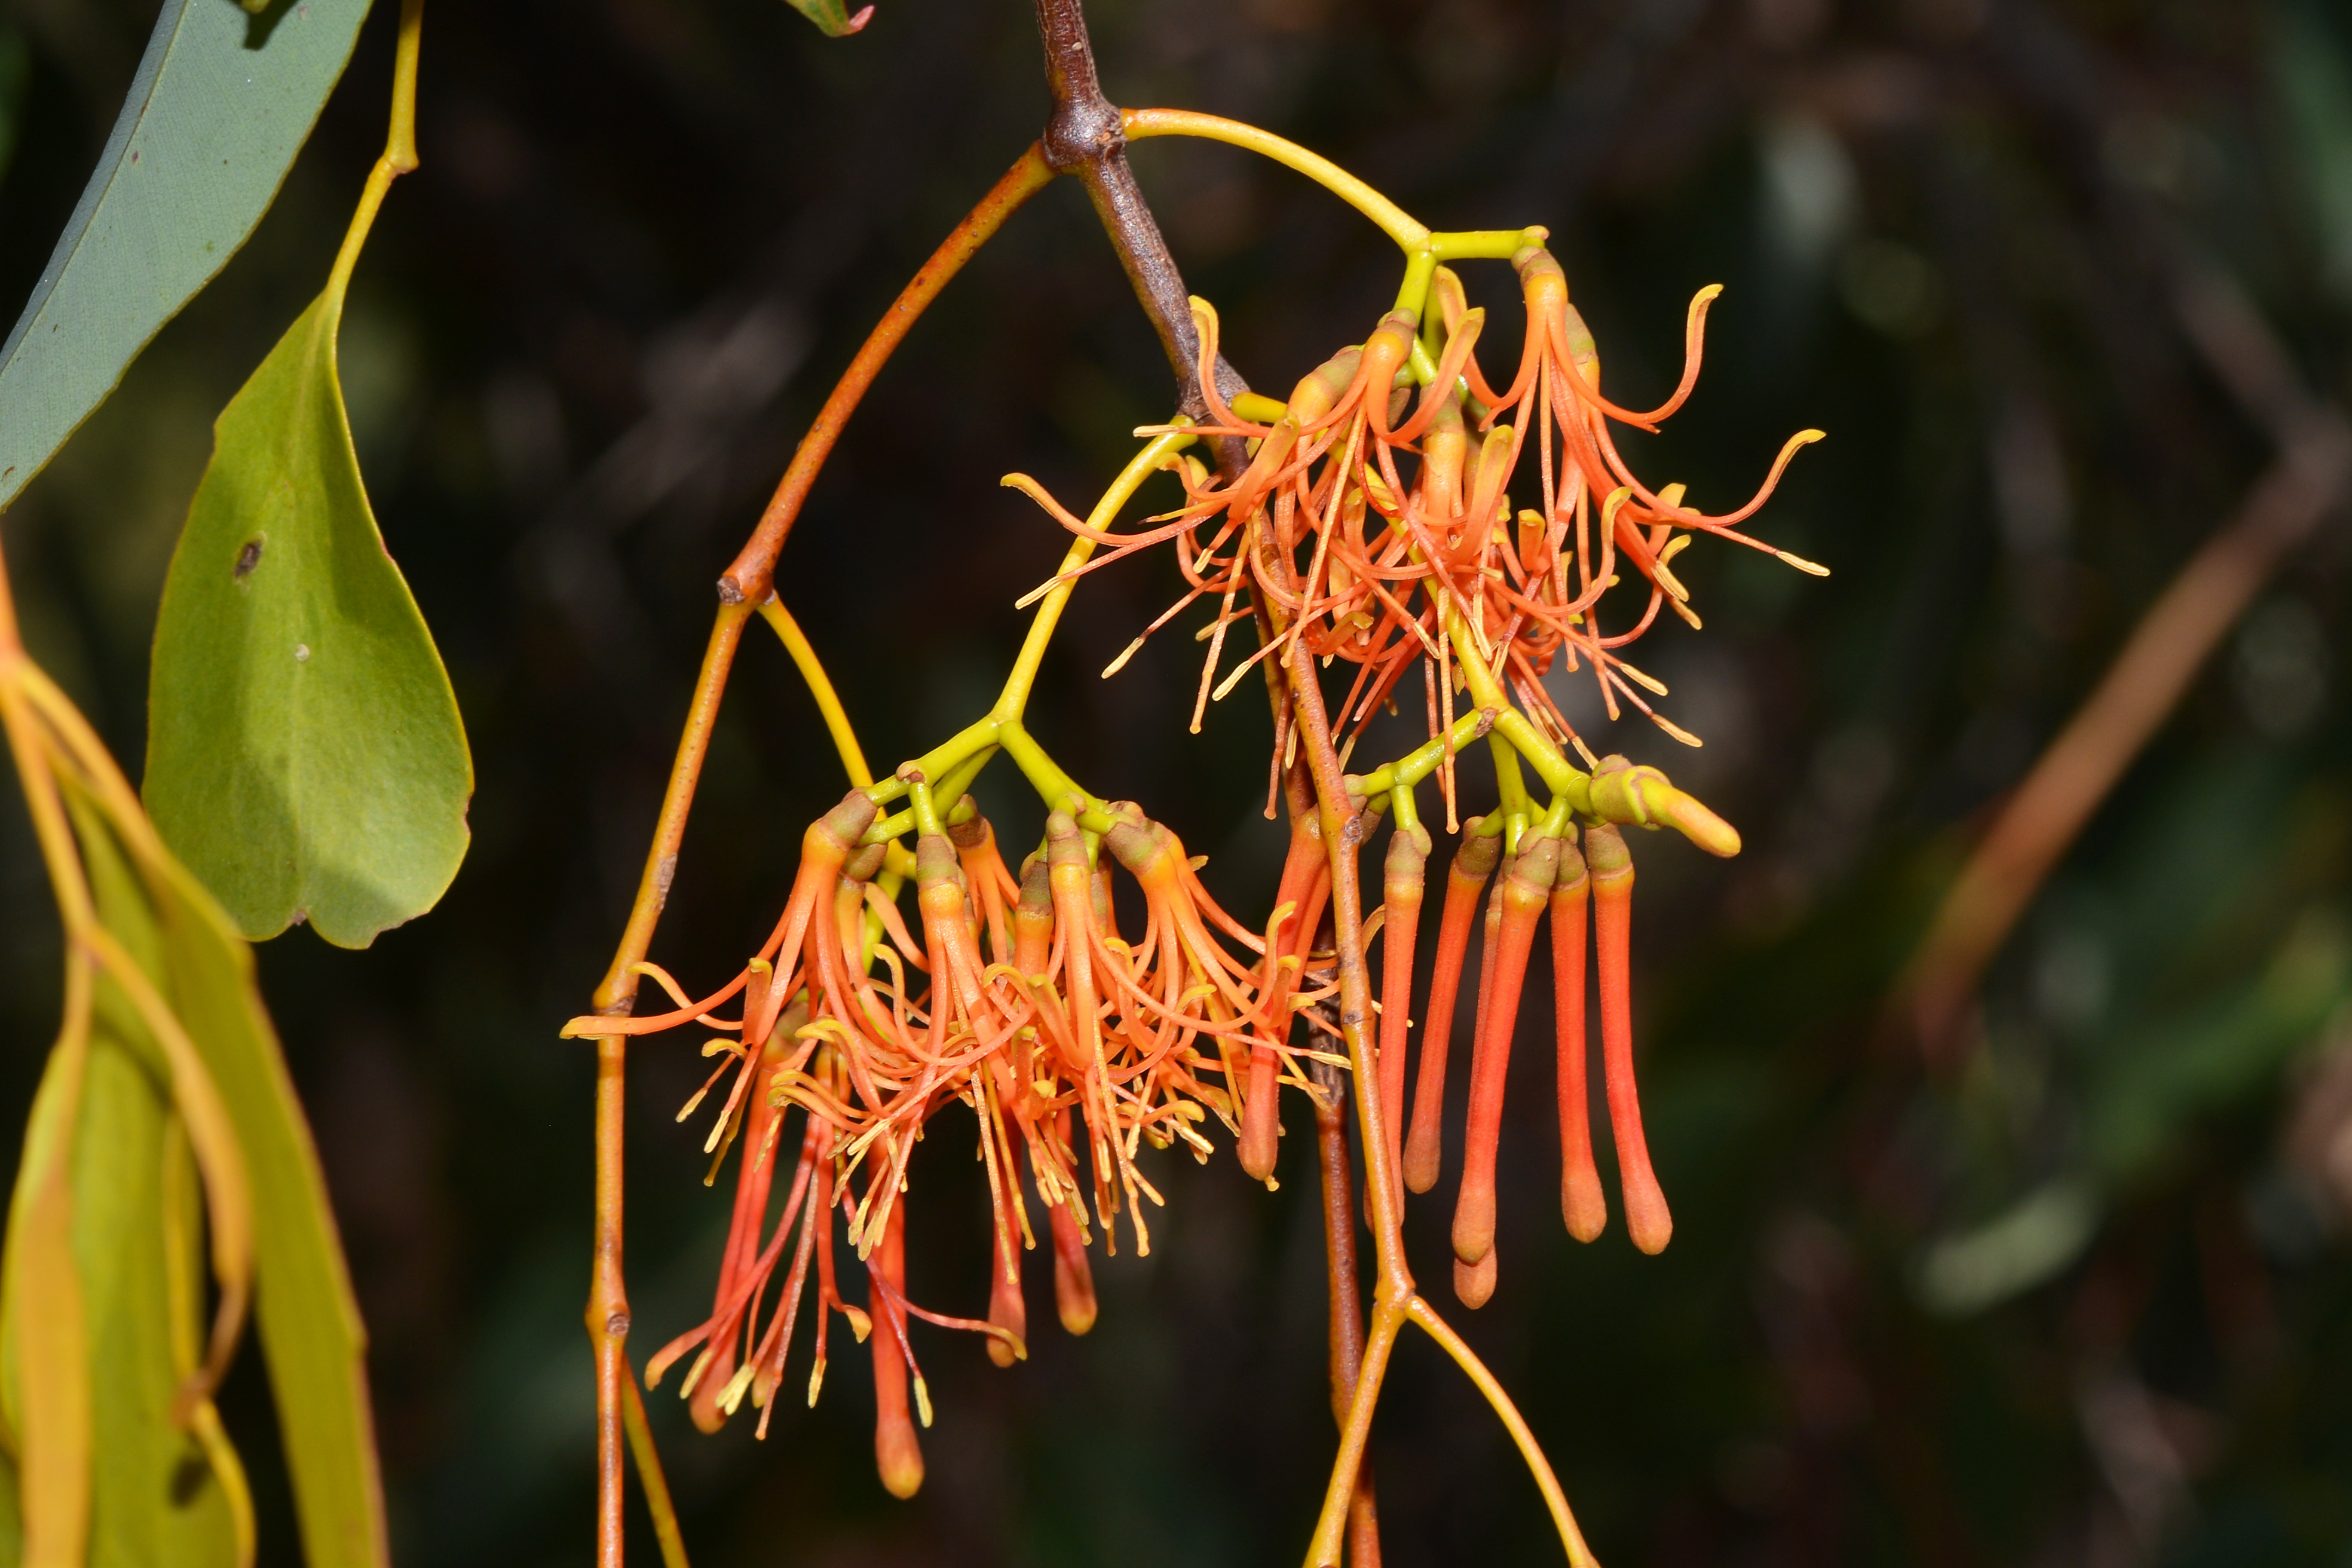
[154,1496]
[833,17]
[305,757]
[311,1330]
[221,104]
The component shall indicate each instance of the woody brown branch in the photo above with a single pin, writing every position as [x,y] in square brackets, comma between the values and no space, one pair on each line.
[1346,1292]
[1084,138]
[2305,482]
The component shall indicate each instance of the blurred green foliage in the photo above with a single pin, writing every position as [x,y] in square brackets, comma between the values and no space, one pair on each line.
[2084,1298]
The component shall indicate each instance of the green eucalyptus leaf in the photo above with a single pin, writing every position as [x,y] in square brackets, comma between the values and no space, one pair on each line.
[833,17]
[305,757]
[154,1495]
[221,104]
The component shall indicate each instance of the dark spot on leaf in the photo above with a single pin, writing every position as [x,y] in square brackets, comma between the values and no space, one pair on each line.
[247,558]
[188,1478]
[134,154]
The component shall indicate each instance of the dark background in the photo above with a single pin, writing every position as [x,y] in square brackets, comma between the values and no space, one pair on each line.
[2084,1299]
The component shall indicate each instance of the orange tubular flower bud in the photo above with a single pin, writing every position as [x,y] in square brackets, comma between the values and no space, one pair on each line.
[1646,1217]
[898,1454]
[1007,1309]
[992,885]
[1032,922]
[1385,353]
[1523,894]
[1404,877]
[1444,453]
[1260,1144]
[956,964]
[1073,1278]
[1424,1144]
[1320,389]
[830,840]
[1074,908]
[1581,1204]
[1474,1283]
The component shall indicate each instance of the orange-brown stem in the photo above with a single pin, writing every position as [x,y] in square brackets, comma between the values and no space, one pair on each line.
[1581,1204]
[1525,892]
[747,580]
[1472,862]
[608,1297]
[898,1453]
[1646,1217]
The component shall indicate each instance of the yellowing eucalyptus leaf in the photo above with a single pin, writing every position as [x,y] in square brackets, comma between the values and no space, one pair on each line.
[160,1494]
[44,1344]
[167,1105]
[311,1332]
[305,757]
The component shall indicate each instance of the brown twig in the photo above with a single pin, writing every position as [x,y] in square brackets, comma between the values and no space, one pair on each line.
[2306,480]
[1343,831]
[1084,138]
[1338,1185]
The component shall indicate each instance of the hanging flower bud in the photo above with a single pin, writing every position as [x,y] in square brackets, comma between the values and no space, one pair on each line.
[1472,862]
[1582,1205]
[898,1453]
[1523,893]
[1403,877]
[1646,1217]
[1074,1278]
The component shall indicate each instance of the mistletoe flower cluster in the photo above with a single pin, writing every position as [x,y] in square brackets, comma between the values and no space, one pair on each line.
[1071,1041]
[1379,539]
